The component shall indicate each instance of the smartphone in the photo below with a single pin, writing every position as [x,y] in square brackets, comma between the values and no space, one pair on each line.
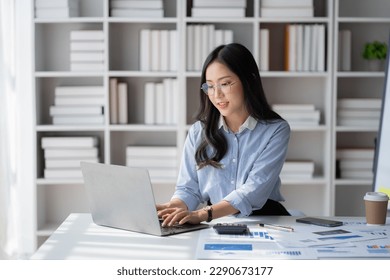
[319,222]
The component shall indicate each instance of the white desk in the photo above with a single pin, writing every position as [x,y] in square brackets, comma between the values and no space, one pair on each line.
[79,238]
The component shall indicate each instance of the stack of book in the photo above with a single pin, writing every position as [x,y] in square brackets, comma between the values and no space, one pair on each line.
[298,114]
[158,50]
[63,155]
[359,112]
[355,163]
[161,102]
[201,40]
[305,47]
[137,8]
[118,102]
[87,50]
[218,8]
[286,8]
[161,161]
[297,170]
[74,105]
[56,8]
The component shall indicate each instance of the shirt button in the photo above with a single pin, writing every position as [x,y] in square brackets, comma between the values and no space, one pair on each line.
[234,160]
[232,182]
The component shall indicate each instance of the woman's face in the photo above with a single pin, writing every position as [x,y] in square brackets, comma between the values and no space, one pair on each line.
[228,95]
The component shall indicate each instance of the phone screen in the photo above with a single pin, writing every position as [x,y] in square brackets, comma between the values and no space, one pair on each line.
[319,222]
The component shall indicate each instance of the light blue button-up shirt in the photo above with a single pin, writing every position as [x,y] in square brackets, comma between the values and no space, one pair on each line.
[250,168]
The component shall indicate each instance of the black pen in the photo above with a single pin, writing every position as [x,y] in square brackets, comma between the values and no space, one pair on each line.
[277,227]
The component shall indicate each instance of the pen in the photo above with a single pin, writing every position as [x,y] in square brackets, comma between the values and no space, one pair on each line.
[277,227]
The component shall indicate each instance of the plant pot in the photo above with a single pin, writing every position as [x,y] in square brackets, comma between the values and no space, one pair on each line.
[376,64]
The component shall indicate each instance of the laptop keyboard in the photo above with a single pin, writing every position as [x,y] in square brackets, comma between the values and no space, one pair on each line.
[175,228]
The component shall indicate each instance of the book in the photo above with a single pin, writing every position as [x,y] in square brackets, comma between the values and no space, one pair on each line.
[358,122]
[313,48]
[140,4]
[87,46]
[217,12]
[86,35]
[79,153]
[168,101]
[67,163]
[228,36]
[359,113]
[355,153]
[164,50]
[160,108]
[63,173]
[307,33]
[75,110]
[80,100]
[291,47]
[219,3]
[69,142]
[362,103]
[137,13]
[89,56]
[78,90]
[145,50]
[87,66]
[113,100]
[150,100]
[357,174]
[149,162]
[312,116]
[287,3]
[74,119]
[356,164]
[56,12]
[122,103]
[294,107]
[298,166]
[56,3]
[321,47]
[299,47]
[286,11]
[190,47]
[155,51]
[151,151]
[173,50]
[344,50]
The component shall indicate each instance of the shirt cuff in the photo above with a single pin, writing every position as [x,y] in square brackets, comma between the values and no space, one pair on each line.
[239,202]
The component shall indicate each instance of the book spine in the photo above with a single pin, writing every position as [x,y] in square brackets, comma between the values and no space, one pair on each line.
[122,103]
[83,142]
[86,35]
[150,106]
[114,100]
[145,50]
[78,90]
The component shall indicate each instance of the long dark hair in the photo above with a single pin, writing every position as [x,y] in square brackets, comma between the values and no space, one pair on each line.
[241,62]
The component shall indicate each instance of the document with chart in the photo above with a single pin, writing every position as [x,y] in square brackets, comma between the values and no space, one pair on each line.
[256,244]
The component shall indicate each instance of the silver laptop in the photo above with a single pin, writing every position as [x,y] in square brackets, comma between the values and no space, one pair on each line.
[122,197]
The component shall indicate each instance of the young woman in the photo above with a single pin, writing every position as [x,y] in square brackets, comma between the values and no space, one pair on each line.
[235,150]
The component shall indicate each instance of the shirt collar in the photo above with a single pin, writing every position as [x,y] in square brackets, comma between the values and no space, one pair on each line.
[249,123]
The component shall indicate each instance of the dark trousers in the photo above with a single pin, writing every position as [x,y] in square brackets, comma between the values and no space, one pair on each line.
[271,208]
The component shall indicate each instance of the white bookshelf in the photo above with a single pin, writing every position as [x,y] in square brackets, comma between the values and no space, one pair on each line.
[367,21]
[56,199]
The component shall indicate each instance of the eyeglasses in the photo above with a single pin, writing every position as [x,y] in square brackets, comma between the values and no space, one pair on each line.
[210,89]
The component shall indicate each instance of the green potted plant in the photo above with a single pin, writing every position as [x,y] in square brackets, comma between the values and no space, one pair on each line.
[375,53]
